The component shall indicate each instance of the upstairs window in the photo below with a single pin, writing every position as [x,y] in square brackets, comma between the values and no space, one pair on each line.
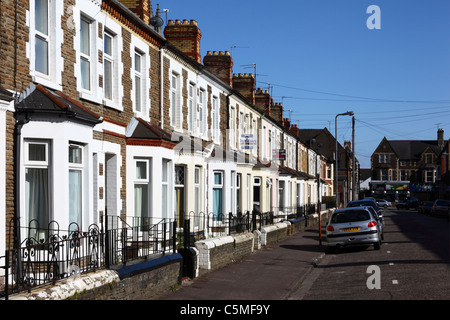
[202,111]
[42,39]
[191,107]
[85,53]
[44,42]
[383,158]
[174,101]
[138,82]
[108,65]
[215,119]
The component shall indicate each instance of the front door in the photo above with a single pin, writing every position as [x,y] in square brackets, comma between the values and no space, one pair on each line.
[179,195]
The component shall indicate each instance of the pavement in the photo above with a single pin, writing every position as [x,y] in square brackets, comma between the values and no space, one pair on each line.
[275,272]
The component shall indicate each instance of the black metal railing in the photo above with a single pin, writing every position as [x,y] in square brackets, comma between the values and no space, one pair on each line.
[294,212]
[46,255]
[206,225]
[138,238]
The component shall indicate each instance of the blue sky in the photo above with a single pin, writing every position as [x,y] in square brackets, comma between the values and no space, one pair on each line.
[320,59]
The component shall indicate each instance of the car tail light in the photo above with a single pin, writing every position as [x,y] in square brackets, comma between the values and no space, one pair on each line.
[330,228]
[372,224]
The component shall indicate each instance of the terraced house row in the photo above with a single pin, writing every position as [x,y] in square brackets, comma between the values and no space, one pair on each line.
[104,114]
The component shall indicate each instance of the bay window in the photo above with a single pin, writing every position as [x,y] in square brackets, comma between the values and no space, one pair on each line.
[75,184]
[142,190]
[37,189]
[218,196]
[197,195]
[165,188]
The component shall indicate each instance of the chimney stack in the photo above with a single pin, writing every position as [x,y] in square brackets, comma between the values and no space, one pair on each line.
[220,64]
[185,36]
[245,84]
[295,130]
[440,137]
[263,101]
[277,112]
[141,8]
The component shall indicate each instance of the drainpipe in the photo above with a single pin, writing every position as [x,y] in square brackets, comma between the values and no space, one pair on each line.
[161,86]
[17,145]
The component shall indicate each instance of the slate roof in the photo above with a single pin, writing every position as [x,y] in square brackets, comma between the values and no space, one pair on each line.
[412,149]
[143,133]
[38,99]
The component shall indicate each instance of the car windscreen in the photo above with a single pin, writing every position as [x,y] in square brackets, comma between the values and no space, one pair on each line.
[350,216]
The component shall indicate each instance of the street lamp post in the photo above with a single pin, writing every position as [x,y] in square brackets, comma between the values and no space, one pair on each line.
[348,113]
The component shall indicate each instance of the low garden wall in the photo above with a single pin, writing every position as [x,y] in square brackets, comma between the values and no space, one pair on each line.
[146,280]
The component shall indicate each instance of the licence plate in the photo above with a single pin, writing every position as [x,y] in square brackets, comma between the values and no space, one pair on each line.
[350,229]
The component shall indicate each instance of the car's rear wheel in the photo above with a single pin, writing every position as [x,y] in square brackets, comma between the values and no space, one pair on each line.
[377,245]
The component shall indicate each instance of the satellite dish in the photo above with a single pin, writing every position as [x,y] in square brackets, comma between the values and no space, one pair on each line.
[156,21]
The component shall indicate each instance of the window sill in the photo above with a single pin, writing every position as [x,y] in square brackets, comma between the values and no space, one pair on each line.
[47,83]
[113,105]
[90,97]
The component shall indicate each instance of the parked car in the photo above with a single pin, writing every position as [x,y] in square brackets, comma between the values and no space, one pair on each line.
[351,227]
[408,204]
[441,208]
[364,203]
[379,217]
[383,203]
[425,207]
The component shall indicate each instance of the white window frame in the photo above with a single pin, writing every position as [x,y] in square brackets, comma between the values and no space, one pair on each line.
[215,119]
[202,114]
[113,29]
[219,186]
[54,39]
[238,193]
[89,56]
[45,37]
[139,46]
[197,193]
[35,164]
[142,181]
[233,127]
[109,58]
[79,167]
[175,118]
[233,192]
[138,85]
[165,183]
[248,192]
[191,107]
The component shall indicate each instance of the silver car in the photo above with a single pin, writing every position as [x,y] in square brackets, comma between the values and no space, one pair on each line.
[353,226]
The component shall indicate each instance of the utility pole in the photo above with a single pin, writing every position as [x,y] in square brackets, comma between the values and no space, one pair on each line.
[353,161]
